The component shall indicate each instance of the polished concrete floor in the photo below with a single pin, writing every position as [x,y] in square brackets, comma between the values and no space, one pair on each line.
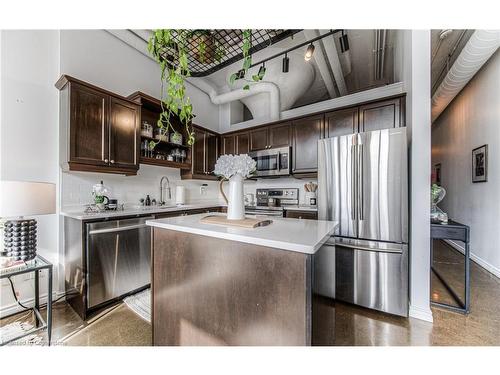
[334,323]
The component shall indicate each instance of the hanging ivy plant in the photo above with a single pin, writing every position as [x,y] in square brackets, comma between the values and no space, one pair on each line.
[247,62]
[172,56]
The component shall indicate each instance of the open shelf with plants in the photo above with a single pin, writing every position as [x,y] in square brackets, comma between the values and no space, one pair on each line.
[165,148]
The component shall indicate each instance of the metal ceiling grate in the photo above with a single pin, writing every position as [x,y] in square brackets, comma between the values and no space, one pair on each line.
[223,47]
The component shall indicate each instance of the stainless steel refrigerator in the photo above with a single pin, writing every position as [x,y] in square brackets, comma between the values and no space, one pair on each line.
[363,185]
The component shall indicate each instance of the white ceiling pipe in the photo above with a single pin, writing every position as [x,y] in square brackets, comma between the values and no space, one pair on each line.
[479,48]
[333,59]
[322,64]
[256,88]
[138,43]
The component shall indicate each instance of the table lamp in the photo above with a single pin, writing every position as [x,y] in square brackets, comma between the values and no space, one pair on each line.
[19,199]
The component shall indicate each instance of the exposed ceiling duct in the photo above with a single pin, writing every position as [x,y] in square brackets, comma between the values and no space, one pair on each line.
[272,102]
[323,65]
[135,40]
[379,50]
[333,59]
[479,48]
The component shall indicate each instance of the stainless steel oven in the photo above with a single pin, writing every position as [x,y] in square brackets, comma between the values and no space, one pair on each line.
[272,162]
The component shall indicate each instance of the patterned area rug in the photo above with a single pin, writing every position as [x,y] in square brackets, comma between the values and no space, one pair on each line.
[15,329]
[140,303]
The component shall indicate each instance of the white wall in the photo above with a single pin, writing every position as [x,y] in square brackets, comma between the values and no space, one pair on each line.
[473,119]
[416,72]
[29,129]
[99,58]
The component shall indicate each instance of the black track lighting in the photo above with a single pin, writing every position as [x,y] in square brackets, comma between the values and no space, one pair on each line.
[262,71]
[240,74]
[286,64]
[344,42]
[309,52]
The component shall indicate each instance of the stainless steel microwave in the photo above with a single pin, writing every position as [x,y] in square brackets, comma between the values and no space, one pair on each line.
[272,162]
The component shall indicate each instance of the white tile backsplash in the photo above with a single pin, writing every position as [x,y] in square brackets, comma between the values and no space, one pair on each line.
[76,187]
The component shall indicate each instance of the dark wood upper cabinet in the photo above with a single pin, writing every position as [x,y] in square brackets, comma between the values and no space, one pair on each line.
[279,135]
[228,144]
[103,128]
[306,133]
[198,152]
[204,154]
[88,126]
[259,139]
[242,143]
[341,122]
[381,115]
[212,152]
[124,134]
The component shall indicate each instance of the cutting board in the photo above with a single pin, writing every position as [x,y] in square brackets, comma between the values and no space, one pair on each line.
[245,223]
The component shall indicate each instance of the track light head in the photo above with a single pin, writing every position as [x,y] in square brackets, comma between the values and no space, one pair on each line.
[262,71]
[344,42]
[240,74]
[309,52]
[286,64]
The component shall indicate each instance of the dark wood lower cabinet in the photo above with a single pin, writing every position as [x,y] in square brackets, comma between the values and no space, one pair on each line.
[263,287]
[312,215]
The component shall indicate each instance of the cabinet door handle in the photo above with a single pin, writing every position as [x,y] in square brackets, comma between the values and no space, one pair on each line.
[102,133]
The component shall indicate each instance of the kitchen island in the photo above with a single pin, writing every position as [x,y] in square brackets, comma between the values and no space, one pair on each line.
[218,285]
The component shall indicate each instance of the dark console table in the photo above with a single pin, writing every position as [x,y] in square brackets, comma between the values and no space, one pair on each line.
[457,232]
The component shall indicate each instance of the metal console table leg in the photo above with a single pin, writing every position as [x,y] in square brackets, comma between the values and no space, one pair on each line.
[458,232]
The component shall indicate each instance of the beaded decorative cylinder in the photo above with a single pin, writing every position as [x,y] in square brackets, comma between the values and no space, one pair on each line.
[19,239]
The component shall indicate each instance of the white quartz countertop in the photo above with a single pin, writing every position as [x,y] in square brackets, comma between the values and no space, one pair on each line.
[150,210]
[303,236]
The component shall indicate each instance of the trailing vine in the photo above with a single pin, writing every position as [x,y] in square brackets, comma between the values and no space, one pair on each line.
[247,62]
[173,75]
[170,48]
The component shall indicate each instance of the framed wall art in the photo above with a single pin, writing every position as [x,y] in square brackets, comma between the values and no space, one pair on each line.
[480,164]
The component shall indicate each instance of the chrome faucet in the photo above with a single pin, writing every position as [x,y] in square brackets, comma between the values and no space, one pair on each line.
[169,193]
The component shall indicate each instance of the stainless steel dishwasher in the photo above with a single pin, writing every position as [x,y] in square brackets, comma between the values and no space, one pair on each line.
[118,258]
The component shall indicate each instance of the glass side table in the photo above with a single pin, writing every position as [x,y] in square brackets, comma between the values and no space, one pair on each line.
[35,265]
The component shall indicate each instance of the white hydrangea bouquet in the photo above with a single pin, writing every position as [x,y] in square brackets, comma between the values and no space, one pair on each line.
[229,165]
[234,168]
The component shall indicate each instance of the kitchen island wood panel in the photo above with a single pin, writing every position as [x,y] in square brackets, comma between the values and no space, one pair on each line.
[212,291]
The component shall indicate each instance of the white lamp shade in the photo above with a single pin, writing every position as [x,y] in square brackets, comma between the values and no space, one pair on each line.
[21,198]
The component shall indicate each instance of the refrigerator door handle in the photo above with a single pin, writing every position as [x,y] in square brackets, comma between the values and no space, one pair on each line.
[361,187]
[368,248]
[353,185]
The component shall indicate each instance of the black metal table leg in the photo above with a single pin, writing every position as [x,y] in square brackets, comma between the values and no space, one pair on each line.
[467,278]
[49,306]
[458,232]
[37,297]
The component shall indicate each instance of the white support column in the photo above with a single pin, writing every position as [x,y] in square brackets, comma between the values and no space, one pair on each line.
[418,115]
